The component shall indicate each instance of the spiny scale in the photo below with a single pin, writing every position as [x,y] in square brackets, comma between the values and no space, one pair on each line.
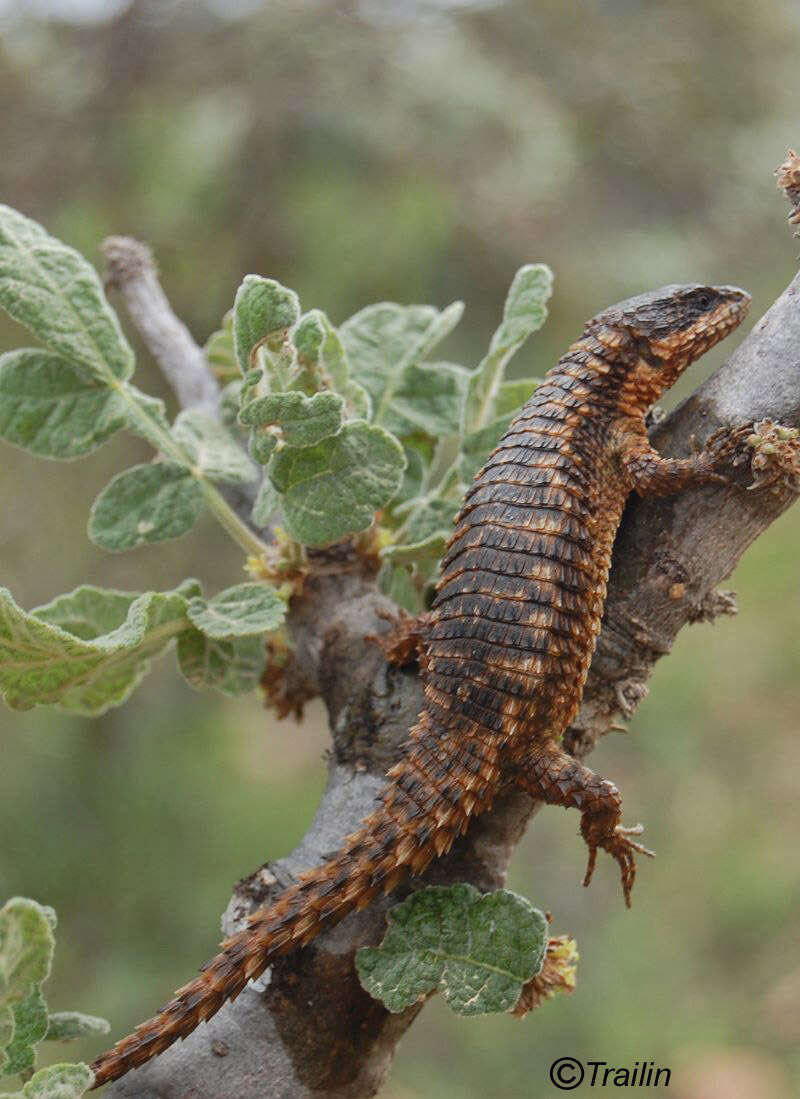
[506,647]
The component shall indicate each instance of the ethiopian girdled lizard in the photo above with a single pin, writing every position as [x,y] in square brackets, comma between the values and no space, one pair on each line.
[506,647]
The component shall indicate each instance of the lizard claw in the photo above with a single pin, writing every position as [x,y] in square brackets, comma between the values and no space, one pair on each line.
[621,848]
[723,447]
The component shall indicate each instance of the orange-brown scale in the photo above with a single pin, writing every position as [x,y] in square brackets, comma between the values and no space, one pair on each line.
[505,650]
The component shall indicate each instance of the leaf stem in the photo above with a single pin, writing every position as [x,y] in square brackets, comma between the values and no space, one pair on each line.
[230,521]
[448,479]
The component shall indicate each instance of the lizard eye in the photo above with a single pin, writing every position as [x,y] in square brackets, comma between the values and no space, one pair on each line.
[704,301]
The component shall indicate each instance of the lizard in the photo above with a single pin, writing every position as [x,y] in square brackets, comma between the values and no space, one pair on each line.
[505,648]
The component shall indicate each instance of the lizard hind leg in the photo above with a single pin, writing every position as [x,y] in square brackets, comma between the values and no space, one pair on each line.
[557,779]
[403,643]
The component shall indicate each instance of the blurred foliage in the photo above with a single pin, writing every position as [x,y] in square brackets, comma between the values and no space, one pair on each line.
[387,149]
[26,956]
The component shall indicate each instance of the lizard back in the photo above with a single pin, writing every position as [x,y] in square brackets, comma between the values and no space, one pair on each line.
[518,606]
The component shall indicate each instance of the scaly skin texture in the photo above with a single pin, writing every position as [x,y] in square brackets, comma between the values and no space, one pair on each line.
[506,647]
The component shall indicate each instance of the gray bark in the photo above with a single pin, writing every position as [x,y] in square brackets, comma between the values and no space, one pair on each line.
[131,270]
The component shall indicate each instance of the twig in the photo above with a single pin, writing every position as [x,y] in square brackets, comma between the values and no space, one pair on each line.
[788,175]
[132,271]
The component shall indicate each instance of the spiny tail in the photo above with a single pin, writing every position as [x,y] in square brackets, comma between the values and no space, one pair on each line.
[418,821]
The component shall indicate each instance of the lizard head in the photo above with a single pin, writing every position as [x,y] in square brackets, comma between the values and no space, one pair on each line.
[672,327]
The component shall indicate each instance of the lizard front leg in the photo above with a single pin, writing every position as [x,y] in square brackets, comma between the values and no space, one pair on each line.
[558,779]
[652,475]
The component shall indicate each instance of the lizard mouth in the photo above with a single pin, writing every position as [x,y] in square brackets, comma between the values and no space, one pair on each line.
[737,300]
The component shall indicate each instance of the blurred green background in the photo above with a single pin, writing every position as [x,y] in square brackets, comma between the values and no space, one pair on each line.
[416,151]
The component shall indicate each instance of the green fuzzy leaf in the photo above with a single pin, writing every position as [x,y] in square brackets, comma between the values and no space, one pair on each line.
[429,549]
[232,667]
[427,522]
[145,504]
[26,953]
[57,1082]
[250,385]
[433,518]
[266,504]
[263,441]
[87,651]
[88,612]
[478,950]
[359,402]
[333,489]
[146,416]
[243,611]
[397,582]
[319,345]
[229,401]
[26,944]
[418,459]
[41,662]
[512,395]
[263,312]
[432,514]
[48,406]
[30,1027]
[220,353]
[66,1026]
[54,292]
[429,398]
[384,340]
[6,1031]
[303,421]
[524,313]
[320,348]
[212,449]
[478,445]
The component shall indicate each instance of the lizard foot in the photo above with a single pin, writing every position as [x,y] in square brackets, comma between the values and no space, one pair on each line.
[558,779]
[403,643]
[723,448]
[621,847]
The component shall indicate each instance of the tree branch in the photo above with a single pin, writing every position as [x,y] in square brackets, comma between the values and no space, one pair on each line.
[132,271]
[307,1028]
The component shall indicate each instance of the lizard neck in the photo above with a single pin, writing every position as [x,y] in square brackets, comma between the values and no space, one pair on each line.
[622,373]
